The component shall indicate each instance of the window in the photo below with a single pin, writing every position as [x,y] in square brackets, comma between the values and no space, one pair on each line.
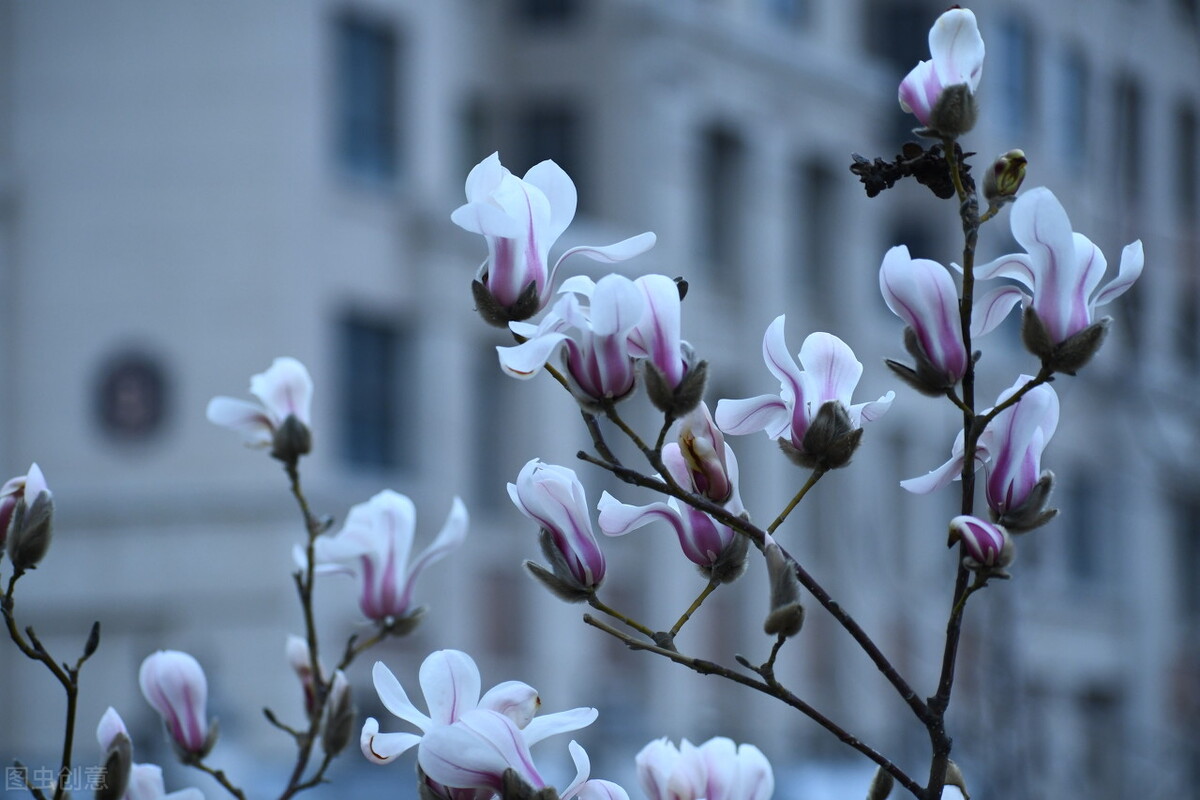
[1186,512]
[1017,68]
[1087,535]
[378,401]
[367,134]
[722,156]
[792,13]
[501,406]
[1128,137]
[1187,203]
[812,234]
[551,130]
[547,11]
[1073,126]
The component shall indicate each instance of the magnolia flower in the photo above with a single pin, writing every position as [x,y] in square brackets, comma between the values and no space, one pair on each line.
[717,549]
[597,358]
[26,518]
[143,781]
[956,65]
[450,682]
[703,449]
[985,545]
[658,335]
[376,542]
[818,392]
[521,219]
[553,497]
[716,770]
[173,683]
[1011,450]
[1061,268]
[285,393]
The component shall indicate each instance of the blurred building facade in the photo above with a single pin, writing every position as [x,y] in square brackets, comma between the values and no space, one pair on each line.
[188,190]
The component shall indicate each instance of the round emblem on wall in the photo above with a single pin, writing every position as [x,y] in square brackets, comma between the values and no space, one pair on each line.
[131,396]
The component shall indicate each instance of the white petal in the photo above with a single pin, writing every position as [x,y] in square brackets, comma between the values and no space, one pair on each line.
[484,178]
[547,725]
[942,476]
[992,308]
[1132,261]
[284,389]
[560,193]
[957,48]
[830,368]
[527,359]
[486,219]
[450,681]
[765,412]
[613,253]
[395,699]
[248,419]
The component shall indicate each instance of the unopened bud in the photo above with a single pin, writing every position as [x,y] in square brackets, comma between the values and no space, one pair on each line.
[300,659]
[731,563]
[339,716]
[679,400]
[829,442]
[1069,355]
[1033,512]
[29,535]
[118,764]
[986,546]
[1004,177]
[292,440]
[786,615]
[954,777]
[955,112]
[881,785]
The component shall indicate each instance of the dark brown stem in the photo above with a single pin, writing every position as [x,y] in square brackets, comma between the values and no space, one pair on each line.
[770,688]
[758,537]
[222,779]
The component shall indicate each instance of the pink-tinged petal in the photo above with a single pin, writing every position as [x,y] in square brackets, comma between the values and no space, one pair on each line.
[583,768]
[1090,266]
[578,284]
[757,779]
[450,681]
[1040,225]
[474,752]
[616,307]
[862,413]
[174,684]
[560,194]
[515,700]
[145,783]
[35,483]
[285,389]
[486,219]
[719,755]
[766,412]
[782,365]
[658,333]
[484,178]
[830,369]
[547,725]
[395,699]
[617,518]
[601,790]
[922,293]
[453,533]
[109,727]
[992,308]
[246,418]
[957,48]
[1132,260]
[919,91]
[942,476]
[689,779]
[613,253]
[655,764]
[526,360]
[1017,266]
[384,748]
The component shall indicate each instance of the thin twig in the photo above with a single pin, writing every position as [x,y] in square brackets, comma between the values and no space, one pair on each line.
[705,667]
[596,603]
[694,607]
[811,482]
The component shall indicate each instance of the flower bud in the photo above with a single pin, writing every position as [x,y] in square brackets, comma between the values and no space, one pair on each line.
[786,615]
[986,546]
[339,716]
[300,660]
[1004,177]
[829,442]
[955,112]
[31,522]
[702,446]
[118,756]
[881,785]
[292,440]
[173,683]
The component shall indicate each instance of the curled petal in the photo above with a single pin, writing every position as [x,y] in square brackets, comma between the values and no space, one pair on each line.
[583,768]
[613,253]
[515,700]
[1132,260]
[992,308]
[285,389]
[527,359]
[384,748]
[453,534]
[601,790]
[932,481]
[766,412]
[618,519]
[561,196]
